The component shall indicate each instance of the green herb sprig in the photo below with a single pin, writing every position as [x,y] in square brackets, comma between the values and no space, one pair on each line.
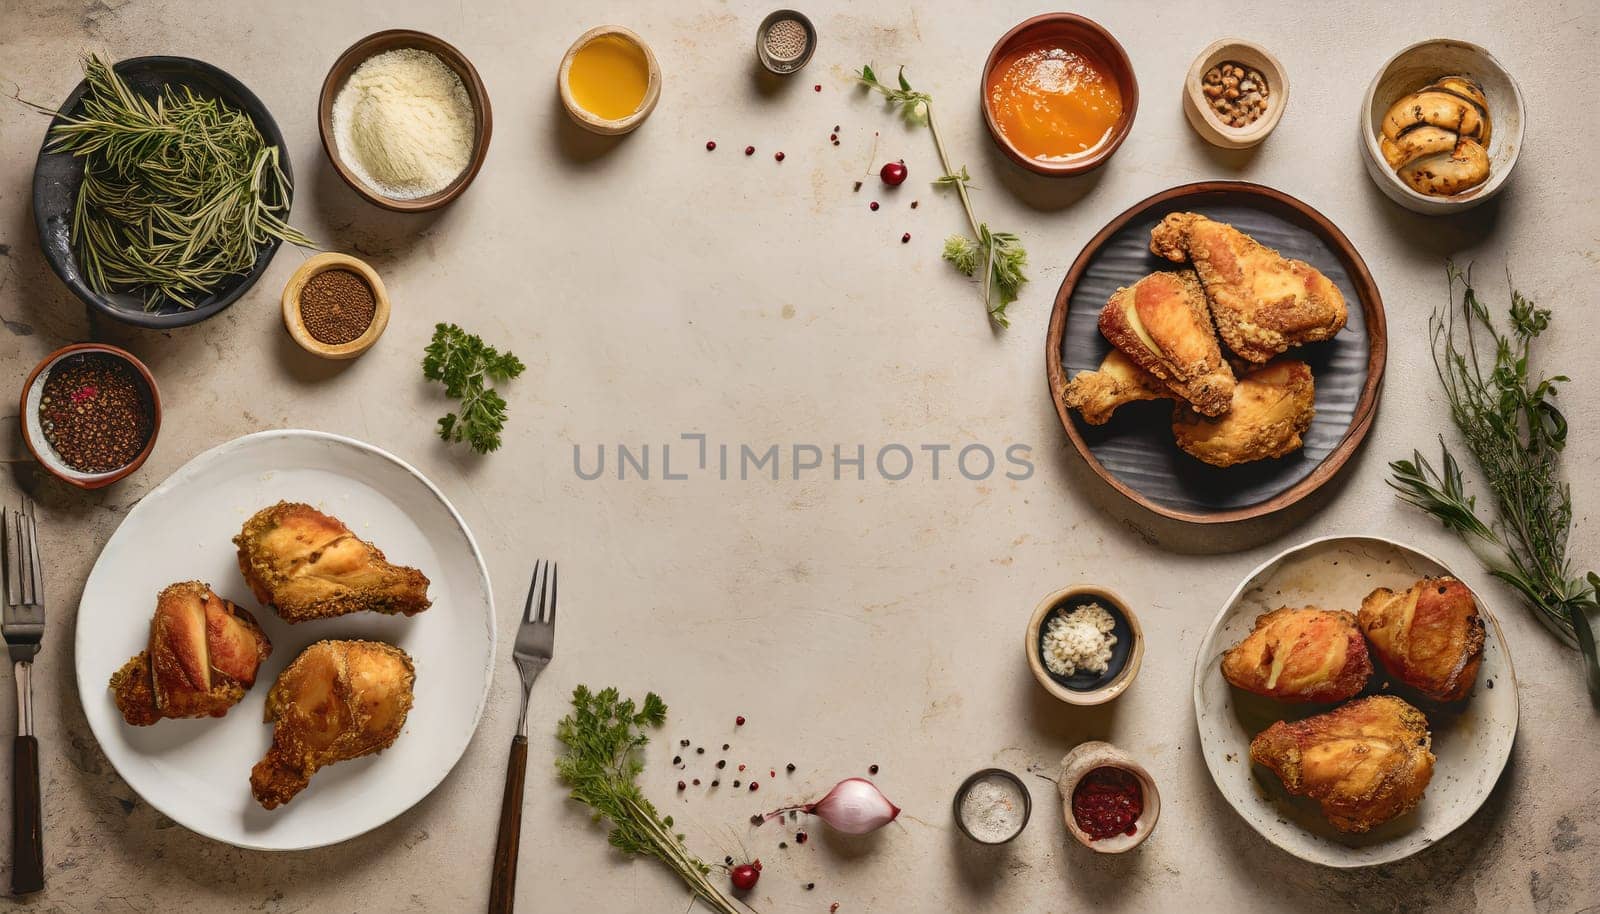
[998,255]
[1508,418]
[465,365]
[177,195]
[603,735]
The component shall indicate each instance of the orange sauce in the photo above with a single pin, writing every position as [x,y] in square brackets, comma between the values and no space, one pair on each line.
[1053,101]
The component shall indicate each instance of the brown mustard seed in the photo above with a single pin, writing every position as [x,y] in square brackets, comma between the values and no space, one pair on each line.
[337,306]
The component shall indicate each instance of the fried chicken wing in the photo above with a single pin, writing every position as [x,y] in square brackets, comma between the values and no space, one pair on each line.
[1272,407]
[1366,761]
[1097,394]
[307,565]
[1263,302]
[1301,655]
[1163,325]
[1429,636]
[202,657]
[338,700]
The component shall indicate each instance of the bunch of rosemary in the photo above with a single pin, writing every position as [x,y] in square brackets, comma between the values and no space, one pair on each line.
[1509,421]
[177,194]
[603,735]
[998,254]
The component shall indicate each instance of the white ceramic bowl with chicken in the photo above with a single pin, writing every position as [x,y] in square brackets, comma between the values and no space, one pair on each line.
[1420,65]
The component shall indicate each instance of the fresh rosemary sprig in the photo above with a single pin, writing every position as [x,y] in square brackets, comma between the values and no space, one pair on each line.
[1510,423]
[603,735]
[999,255]
[177,195]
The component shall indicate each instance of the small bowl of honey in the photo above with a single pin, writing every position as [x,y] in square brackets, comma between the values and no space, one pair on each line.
[609,80]
[1059,94]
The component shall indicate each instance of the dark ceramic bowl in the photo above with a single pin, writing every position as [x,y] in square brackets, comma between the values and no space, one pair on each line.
[56,177]
[1079,31]
[1127,654]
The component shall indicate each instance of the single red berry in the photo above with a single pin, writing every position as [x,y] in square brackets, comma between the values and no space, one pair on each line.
[778,156]
[745,875]
[739,721]
[873,206]
[754,786]
[681,785]
[903,240]
[893,174]
[710,145]
[817,87]
[741,767]
[749,150]
[799,837]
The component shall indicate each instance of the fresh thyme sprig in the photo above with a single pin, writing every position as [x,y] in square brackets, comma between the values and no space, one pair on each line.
[177,195]
[603,735]
[1510,423]
[999,255]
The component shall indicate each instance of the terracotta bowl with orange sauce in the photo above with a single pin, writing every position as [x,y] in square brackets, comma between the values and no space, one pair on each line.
[1059,94]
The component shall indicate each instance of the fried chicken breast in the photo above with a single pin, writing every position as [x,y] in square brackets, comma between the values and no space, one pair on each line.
[1301,655]
[1272,407]
[1429,636]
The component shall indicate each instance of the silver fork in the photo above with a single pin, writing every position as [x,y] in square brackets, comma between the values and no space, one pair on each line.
[536,641]
[22,625]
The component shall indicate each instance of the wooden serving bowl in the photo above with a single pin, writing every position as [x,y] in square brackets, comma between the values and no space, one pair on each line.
[389,40]
[33,431]
[1093,37]
[1204,120]
[295,324]
[591,121]
[1134,453]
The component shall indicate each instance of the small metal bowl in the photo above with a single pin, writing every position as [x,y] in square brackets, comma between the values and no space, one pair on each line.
[785,67]
[296,325]
[33,430]
[984,774]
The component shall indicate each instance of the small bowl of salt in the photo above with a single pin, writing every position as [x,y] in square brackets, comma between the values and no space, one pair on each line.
[992,806]
[1084,645]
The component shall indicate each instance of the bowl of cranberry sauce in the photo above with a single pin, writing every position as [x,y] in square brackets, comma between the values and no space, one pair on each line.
[1109,801]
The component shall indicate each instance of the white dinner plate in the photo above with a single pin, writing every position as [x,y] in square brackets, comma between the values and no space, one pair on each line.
[1471,743]
[197,772]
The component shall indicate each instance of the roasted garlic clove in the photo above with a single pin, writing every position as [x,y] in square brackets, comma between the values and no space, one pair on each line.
[1436,139]
[1415,143]
[1431,106]
[1446,173]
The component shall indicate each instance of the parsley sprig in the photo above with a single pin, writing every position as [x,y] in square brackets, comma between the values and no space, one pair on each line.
[465,365]
[603,735]
[999,255]
[1508,417]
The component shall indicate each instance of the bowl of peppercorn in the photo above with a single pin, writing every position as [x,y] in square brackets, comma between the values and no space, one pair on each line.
[335,306]
[90,413]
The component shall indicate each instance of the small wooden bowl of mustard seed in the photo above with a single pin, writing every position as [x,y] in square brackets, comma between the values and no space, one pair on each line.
[90,413]
[335,306]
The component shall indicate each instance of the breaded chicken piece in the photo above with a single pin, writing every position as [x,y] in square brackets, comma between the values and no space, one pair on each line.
[202,657]
[1272,407]
[1366,762]
[1163,325]
[1263,302]
[1097,394]
[1301,655]
[307,565]
[1429,636]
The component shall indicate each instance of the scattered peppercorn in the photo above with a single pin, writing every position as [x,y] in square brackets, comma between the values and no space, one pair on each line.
[736,783]
[810,886]
[799,837]
[739,721]
[857,188]
[783,845]
[722,763]
[741,767]
[683,742]
[778,156]
[905,238]
[749,150]
[95,412]
[755,786]
[716,783]
[697,782]
[677,760]
[833,907]
[682,785]
[772,773]
[728,860]
[724,747]
[755,819]
[789,767]
[873,769]
[873,206]
[913,204]
[337,306]
[699,750]
[710,145]
[817,87]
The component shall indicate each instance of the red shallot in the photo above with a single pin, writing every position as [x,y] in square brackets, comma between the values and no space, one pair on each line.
[854,806]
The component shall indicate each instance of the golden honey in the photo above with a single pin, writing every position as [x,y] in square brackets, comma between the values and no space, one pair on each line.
[1053,101]
[609,76]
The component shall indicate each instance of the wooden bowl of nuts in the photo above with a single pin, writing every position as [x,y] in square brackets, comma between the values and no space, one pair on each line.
[1235,93]
[335,306]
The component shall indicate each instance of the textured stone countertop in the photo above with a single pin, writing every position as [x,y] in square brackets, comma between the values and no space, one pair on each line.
[656,290]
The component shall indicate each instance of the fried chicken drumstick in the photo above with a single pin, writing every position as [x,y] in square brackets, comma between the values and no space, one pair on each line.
[202,657]
[307,565]
[338,700]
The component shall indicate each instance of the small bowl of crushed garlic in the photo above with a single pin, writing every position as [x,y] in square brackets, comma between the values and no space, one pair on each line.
[1084,645]
[1235,93]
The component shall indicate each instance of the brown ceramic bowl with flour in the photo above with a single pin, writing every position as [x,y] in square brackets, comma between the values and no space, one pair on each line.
[392,40]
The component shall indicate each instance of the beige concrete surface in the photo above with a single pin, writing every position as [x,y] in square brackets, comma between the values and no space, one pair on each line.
[654,290]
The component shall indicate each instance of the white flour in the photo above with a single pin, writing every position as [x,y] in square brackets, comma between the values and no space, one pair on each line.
[403,123]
